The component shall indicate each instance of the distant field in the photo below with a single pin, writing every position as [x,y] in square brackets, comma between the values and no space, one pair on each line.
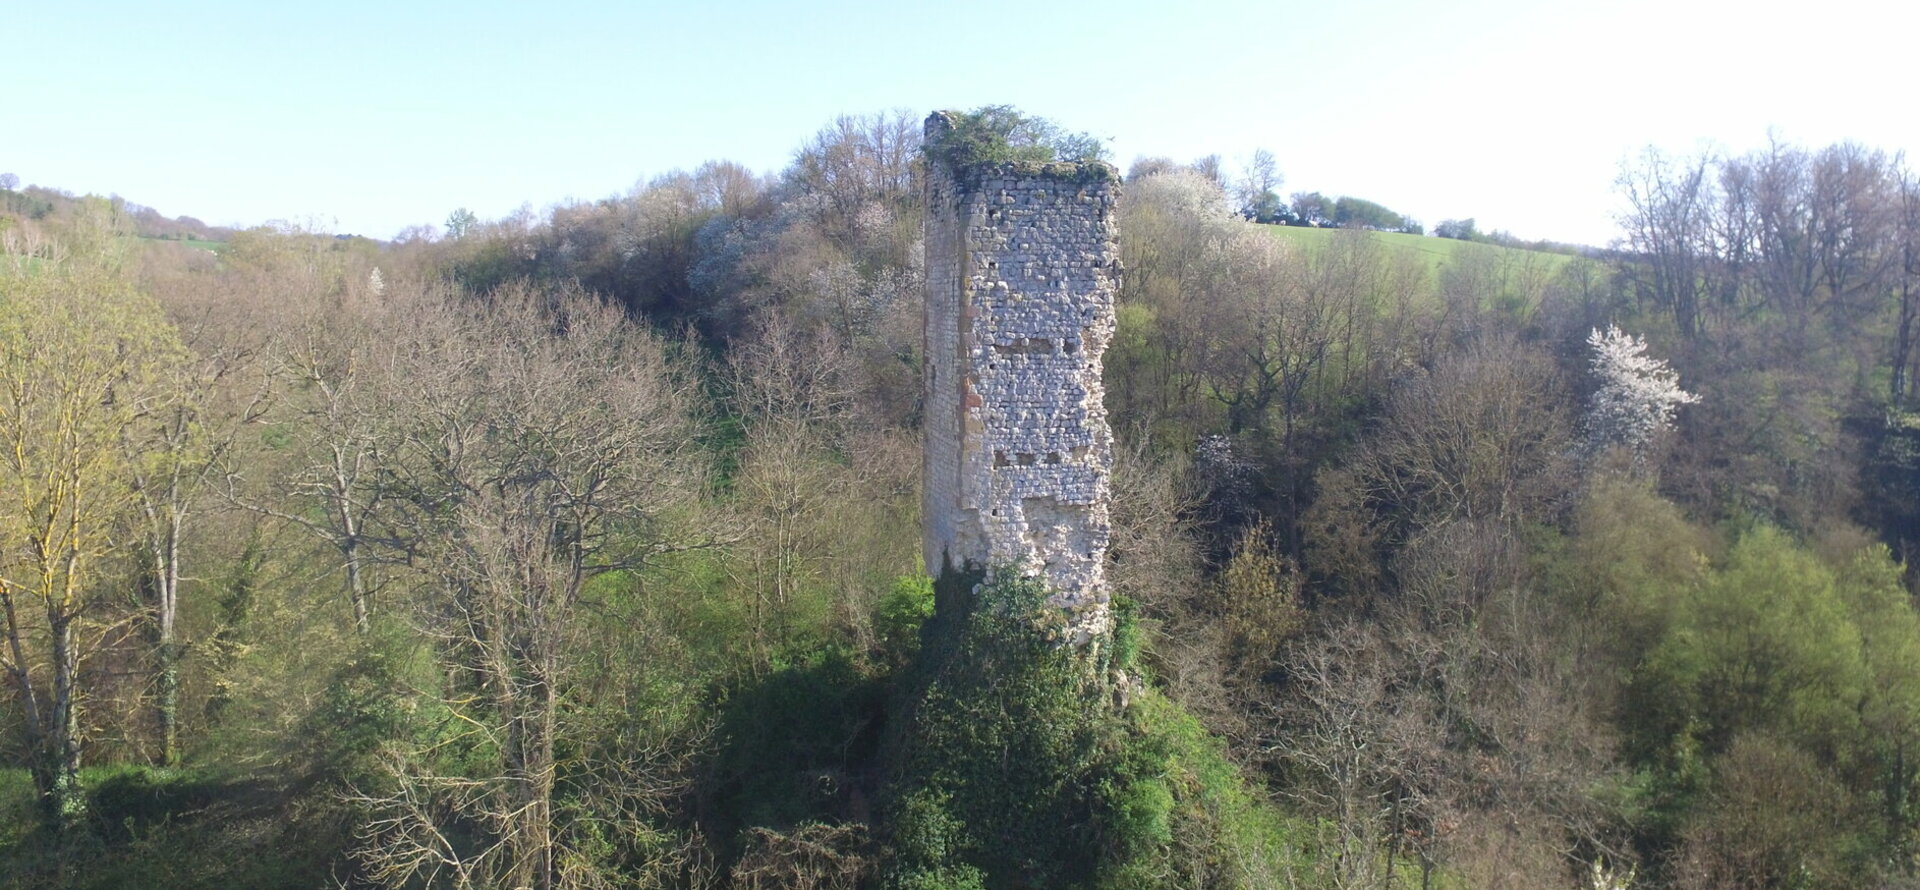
[215,246]
[1437,253]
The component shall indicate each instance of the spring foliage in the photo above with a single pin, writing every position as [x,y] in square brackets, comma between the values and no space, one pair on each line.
[492,586]
[1022,765]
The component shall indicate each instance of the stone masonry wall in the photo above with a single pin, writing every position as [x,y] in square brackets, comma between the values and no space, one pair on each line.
[1022,266]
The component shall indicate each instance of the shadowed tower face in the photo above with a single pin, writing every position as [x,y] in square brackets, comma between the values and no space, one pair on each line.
[1022,266]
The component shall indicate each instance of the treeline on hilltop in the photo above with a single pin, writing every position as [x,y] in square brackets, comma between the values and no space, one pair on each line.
[1255,194]
[581,549]
[42,204]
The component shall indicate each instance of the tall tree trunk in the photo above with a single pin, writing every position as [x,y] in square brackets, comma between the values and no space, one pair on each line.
[1902,346]
[530,715]
[356,585]
[346,476]
[35,716]
[358,593]
[1903,341]
[164,579]
[540,787]
[66,801]
[169,701]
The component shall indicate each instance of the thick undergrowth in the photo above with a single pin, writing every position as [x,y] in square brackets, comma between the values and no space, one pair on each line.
[1016,762]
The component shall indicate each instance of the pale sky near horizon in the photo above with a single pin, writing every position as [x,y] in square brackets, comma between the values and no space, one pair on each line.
[361,117]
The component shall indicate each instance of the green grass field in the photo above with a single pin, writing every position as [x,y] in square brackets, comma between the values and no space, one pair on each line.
[1438,253]
[215,246]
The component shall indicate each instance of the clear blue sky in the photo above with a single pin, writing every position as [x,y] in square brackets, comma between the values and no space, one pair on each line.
[367,117]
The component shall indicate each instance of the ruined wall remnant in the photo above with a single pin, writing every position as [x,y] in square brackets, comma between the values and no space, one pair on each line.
[1022,265]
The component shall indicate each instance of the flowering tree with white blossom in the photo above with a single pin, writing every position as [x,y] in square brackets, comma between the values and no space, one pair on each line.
[1638,394]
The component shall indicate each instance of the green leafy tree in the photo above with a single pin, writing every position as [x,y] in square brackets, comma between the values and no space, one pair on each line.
[1766,643]
[1312,209]
[460,223]
[83,358]
[1776,663]
[1359,213]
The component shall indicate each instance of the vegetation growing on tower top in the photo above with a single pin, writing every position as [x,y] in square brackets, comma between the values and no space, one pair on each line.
[1002,135]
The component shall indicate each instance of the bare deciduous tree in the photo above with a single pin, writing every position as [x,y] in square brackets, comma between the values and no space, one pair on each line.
[176,452]
[544,444]
[1258,190]
[1670,206]
[337,490]
[793,395]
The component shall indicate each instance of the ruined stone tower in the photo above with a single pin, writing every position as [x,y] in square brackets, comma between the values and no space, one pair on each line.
[1022,265]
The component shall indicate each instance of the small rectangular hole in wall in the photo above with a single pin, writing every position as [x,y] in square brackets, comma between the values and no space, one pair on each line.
[1069,346]
[1025,346]
[1053,457]
[1025,459]
[1000,460]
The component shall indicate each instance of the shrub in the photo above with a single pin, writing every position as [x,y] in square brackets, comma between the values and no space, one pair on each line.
[1019,766]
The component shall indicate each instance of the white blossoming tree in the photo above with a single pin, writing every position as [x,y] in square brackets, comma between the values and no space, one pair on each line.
[1638,394]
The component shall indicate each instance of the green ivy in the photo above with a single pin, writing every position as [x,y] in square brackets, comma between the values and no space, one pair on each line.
[1017,765]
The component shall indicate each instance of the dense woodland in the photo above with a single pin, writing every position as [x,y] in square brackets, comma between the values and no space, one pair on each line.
[581,548]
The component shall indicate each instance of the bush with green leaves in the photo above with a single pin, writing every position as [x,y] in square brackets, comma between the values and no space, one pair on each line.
[898,617]
[1019,763]
[1002,134]
[1753,682]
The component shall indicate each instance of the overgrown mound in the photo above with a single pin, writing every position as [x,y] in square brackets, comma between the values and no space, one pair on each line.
[1019,763]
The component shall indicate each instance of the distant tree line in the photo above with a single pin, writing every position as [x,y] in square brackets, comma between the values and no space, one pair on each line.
[42,204]
[1257,197]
